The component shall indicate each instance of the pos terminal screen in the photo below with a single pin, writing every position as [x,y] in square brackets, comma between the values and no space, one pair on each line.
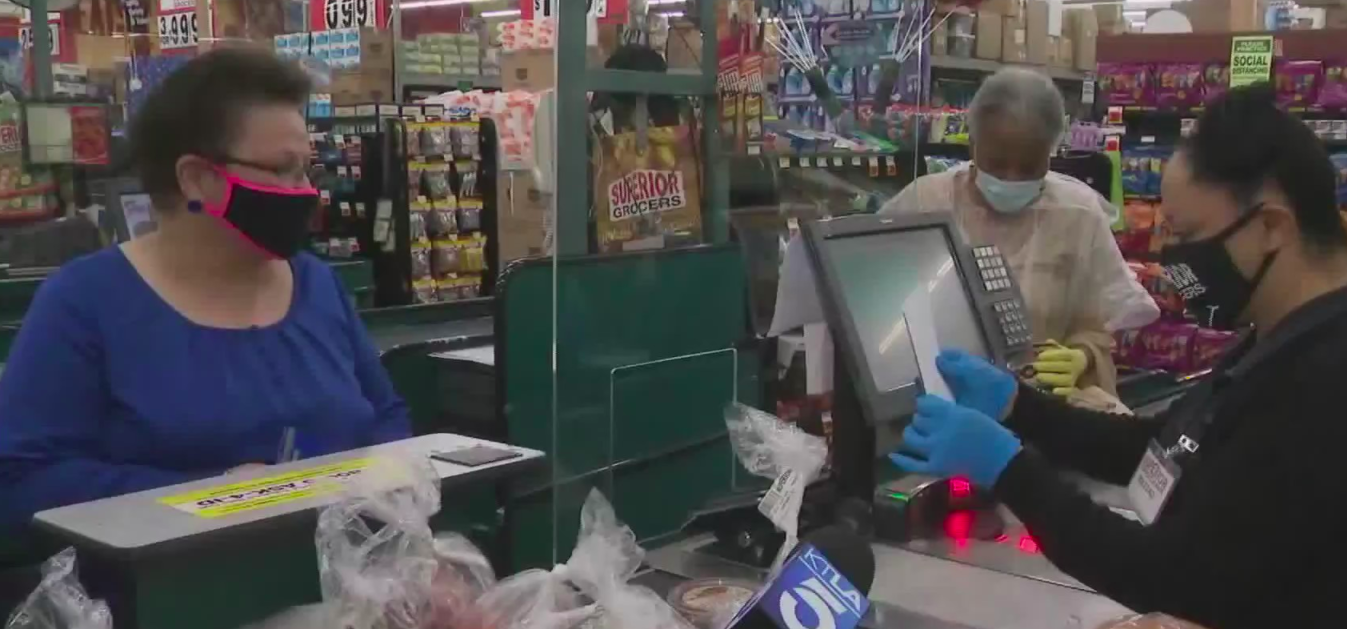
[878,273]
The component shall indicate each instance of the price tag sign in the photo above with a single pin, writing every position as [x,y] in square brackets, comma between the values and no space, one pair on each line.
[53,35]
[332,14]
[605,10]
[1250,60]
[178,30]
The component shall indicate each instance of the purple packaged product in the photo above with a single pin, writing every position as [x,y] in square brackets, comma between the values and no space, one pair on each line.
[1178,85]
[1298,82]
[1333,88]
[1215,80]
[1126,84]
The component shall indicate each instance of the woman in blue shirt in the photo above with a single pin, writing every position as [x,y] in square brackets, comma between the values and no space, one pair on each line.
[192,351]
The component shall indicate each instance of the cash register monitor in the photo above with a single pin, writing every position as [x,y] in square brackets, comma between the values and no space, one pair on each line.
[868,267]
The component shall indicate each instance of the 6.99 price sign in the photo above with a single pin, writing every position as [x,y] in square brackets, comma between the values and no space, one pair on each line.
[178,30]
[333,14]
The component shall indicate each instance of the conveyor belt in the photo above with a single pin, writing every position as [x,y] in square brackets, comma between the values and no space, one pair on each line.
[388,338]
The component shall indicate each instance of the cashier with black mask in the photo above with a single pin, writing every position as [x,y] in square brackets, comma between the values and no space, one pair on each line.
[1240,490]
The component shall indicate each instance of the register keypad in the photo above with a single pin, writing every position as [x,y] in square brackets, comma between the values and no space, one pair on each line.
[992,268]
[1014,323]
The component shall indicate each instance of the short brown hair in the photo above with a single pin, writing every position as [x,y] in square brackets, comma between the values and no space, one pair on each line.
[194,110]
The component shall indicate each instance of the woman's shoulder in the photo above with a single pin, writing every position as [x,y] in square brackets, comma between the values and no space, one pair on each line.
[317,281]
[90,277]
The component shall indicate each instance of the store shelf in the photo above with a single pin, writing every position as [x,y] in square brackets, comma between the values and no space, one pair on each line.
[676,83]
[987,66]
[451,81]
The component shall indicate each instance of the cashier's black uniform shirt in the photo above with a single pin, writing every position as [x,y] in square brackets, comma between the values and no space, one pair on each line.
[1255,533]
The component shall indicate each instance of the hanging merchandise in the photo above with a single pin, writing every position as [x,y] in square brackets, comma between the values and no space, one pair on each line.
[647,198]
[445,204]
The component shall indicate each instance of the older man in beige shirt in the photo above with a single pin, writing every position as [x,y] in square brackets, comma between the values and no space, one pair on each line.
[1052,229]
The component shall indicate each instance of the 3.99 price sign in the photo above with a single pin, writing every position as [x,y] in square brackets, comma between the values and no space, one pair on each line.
[333,14]
[178,30]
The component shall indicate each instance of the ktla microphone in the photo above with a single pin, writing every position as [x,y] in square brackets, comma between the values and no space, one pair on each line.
[824,585]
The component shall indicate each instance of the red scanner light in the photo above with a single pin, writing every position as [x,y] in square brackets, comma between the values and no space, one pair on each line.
[960,488]
[1028,545]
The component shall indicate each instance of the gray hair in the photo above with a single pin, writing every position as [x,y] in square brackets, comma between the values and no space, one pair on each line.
[1020,97]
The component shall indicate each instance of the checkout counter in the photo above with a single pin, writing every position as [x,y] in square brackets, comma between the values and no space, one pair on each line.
[647,364]
[890,292]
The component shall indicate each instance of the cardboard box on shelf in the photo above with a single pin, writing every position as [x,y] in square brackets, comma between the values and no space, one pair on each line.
[1036,31]
[365,85]
[1083,29]
[1066,53]
[521,216]
[684,47]
[1335,18]
[375,49]
[940,41]
[1003,8]
[1109,15]
[1014,48]
[528,70]
[988,45]
[1051,50]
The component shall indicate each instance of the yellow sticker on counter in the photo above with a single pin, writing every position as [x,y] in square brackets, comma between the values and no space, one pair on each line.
[260,493]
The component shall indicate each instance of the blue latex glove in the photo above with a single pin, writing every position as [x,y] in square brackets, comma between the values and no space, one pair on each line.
[976,383]
[946,439]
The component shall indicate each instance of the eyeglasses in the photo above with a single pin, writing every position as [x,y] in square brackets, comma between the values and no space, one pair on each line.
[297,173]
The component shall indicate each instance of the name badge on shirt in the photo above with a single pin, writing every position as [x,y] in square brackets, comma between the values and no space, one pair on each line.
[1153,481]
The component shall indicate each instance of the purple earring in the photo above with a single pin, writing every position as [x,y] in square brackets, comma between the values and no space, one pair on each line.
[194,206]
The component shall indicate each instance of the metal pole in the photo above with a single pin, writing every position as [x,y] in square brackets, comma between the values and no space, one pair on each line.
[41,49]
[572,131]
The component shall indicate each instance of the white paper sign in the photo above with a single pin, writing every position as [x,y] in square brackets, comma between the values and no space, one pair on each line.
[921,331]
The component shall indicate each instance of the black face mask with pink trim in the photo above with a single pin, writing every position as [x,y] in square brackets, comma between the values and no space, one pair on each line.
[274,219]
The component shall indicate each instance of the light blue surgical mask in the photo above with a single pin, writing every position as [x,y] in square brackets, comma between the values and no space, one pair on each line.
[1008,197]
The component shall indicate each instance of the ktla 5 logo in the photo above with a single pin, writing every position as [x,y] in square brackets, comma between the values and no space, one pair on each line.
[832,601]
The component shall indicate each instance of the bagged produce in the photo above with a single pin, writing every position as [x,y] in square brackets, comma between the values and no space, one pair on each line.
[771,448]
[60,602]
[605,558]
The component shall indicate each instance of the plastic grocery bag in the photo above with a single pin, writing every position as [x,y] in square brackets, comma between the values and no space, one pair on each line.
[60,602]
[605,558]
[535,599]
[1149,621]
[771,448]
[380,566]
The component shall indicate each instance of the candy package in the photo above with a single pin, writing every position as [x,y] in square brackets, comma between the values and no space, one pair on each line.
[469,218]
[1333,88]
[1209,345]
[1178,85]
[1298,82]
[1165,345]
[1126,84]
[421,260]
[441,222]
[1340,164]
[1215,81]
[446,257]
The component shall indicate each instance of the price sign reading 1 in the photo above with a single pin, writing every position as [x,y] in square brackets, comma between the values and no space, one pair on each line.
[178,30]
[350,14]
